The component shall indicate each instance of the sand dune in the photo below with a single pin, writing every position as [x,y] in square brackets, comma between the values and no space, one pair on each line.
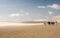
[48,31]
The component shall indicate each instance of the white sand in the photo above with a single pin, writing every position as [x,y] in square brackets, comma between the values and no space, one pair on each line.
[3,24]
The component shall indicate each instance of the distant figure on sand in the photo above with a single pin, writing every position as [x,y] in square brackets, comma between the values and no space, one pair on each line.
[56,22]
[44,23]
[49,23]
[52,23]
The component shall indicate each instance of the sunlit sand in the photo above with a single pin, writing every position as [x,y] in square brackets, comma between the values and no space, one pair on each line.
[37,31]
[4,24]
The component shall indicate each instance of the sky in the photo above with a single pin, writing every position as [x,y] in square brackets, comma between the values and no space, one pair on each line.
[28,10]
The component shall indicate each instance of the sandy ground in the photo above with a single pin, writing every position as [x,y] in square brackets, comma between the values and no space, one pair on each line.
[4,24]
[37,31]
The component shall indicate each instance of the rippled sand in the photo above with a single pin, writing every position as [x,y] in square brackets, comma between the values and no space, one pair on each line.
[37,31]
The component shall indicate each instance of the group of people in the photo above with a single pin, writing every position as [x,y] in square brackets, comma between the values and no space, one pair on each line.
[50,23]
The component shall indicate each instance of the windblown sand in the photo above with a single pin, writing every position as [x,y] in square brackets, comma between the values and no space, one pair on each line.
[37,31]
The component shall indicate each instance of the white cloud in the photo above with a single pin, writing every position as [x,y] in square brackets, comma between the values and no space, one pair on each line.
[12,15]
[50,12]
[41,7]
[27,14]
[54,6]
[18,14]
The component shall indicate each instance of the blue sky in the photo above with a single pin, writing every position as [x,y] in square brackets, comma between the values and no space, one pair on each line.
[26,10]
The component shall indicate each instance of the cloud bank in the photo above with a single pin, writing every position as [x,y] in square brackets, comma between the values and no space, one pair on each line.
[54,6]
[50,12]
[41,7]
